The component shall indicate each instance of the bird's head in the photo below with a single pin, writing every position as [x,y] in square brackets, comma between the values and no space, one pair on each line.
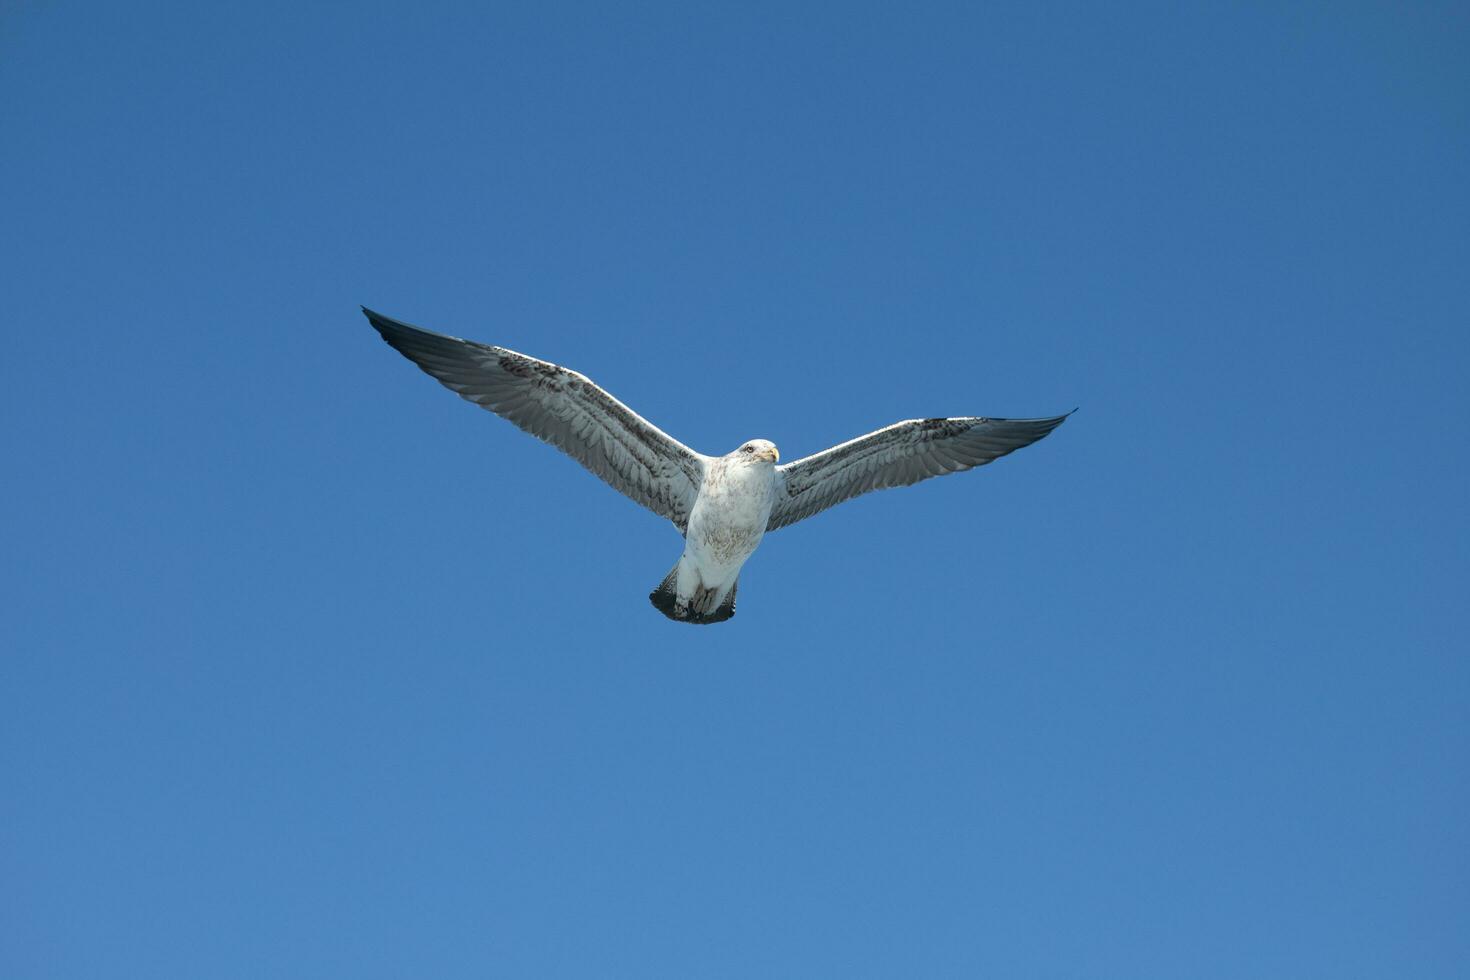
[757,451]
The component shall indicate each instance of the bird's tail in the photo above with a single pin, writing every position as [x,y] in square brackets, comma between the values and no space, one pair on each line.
[701,609]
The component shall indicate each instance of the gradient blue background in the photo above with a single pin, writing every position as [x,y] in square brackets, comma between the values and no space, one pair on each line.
[312,670]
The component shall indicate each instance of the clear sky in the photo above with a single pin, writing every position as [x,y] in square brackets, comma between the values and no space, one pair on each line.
[309,669]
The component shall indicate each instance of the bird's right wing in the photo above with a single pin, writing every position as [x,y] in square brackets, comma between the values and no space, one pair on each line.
[896,456]
[563,408]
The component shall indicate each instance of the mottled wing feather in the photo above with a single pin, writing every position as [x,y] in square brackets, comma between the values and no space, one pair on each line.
[563,408]
[896,456]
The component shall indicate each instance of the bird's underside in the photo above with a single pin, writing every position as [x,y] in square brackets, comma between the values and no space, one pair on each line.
[722,505]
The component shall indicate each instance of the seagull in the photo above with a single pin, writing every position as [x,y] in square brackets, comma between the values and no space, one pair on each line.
[722,505]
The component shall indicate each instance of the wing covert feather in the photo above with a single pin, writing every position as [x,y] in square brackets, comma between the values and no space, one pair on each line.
[897,456]
[562,407]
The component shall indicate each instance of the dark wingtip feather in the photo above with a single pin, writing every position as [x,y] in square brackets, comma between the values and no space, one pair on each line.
[387,326]
[1047,425]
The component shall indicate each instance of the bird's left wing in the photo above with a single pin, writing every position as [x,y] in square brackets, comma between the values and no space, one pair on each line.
[896,456]
[563,408]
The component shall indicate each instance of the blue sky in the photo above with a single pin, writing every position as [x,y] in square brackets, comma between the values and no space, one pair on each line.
[310,669]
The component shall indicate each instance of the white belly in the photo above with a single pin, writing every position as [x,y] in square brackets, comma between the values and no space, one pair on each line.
[729,519]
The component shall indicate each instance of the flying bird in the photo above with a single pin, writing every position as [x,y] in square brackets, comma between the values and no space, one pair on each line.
[723,505]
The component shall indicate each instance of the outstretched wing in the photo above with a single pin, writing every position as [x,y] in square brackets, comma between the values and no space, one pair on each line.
[563,408]
[901,454]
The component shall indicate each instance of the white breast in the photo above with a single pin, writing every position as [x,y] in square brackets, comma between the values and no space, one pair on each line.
[730,515]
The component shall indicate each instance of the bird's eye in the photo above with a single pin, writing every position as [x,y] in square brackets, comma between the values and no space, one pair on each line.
[747,449]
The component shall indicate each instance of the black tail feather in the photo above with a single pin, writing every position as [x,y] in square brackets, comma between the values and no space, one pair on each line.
[664,599]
